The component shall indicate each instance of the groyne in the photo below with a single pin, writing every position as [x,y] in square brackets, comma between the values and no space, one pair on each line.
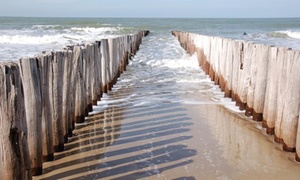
[43,97]
[263,80]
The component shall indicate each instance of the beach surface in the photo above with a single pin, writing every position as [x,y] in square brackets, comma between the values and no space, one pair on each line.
[169,140]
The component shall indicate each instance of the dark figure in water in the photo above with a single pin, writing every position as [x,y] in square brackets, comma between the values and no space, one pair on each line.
[245,33]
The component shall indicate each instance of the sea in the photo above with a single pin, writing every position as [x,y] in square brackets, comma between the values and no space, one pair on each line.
[164,119]
[27,36]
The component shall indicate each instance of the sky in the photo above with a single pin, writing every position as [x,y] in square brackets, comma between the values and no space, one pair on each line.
[152,8]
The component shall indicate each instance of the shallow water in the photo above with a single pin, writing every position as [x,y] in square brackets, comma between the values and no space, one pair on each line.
[165,119]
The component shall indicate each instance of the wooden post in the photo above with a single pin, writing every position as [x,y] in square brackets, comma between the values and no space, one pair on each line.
[98,79]
[93,74]
[30,71]
[88,58]
[260,81]
[246,68]
[211,59]
[207,52]
[105,64]
[112,61]
[270,106]
[14,152]
[281,91]
[124,54]
[128,45]
[241,75]
[56,93]
[270,111]
[215,60]
[252,78]
[297,155]
[220,62]
[79,85]
[228,71]
[237,45]
[45,66]
[223,64]
[69,90]
[119,57]
[67,113]
[292,102]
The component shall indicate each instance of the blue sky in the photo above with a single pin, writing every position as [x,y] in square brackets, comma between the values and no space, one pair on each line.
[151,8]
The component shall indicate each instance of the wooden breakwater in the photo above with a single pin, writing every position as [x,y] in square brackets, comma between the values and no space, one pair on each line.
[44,96]
[263,80]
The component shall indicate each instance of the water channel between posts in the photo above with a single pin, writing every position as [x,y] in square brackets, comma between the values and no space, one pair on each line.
[165,119]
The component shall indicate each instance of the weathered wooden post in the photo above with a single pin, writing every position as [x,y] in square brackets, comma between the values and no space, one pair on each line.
[252,78]
[291,102]
[281,91]
[211,72]
[98,76]
[120,53]
[207,52]
[67,94]
[215,60]
[128,50]
[56,93]
[79,84]
[228,70]
[223,64]
[220,69]
[30,71]
[93,73]
[88,55]
[124,54]
[246,68]
[260,81]
[270,106]
[106,75]
[297,155]
[237,59]
[241,75]
[14,152]
[133,45]
[112,60]
[44,61]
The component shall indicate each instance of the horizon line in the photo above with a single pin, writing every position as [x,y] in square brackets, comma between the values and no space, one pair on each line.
[131,17]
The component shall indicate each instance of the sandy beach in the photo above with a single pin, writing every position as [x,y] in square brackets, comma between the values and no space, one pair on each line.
[168,140]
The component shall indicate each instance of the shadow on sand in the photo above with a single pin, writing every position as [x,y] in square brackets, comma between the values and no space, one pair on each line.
[125,143]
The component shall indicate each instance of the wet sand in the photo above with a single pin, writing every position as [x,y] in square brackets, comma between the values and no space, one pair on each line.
[170,140]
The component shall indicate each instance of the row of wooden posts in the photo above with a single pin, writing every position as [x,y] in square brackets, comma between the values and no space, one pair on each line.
[263,80]
[44,96]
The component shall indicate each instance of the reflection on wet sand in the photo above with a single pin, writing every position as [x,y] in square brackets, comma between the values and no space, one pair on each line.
[88,143]
[250,154]
[125,143]
[193,142]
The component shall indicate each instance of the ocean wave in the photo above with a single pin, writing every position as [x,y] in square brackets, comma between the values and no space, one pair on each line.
[62,39]
[286,34]
[92,30]
[26,39]
[276,34]
[46,26]
[71,35]
[291,34]
[99,30]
